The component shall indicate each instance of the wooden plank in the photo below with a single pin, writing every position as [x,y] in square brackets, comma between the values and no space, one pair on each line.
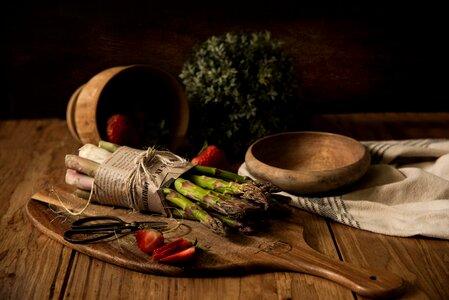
[422,262]
[30,154]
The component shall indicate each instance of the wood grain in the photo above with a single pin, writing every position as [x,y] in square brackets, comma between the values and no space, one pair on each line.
[279,247]
[29,159]
[31,156]
[424,262]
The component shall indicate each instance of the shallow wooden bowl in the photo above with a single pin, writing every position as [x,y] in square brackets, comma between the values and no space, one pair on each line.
[307,162]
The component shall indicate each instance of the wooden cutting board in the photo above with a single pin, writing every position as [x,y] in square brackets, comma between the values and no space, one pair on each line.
[281,247]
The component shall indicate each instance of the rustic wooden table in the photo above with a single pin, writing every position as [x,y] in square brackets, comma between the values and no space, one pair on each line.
[33,266]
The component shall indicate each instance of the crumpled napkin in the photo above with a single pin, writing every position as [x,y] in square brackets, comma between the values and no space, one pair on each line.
[405,191]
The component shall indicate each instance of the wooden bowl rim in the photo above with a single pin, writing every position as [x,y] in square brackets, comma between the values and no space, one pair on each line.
[319,134]
[305,181]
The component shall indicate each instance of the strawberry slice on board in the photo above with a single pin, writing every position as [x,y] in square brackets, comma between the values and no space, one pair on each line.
[148,240]
[168,249]
[181,256]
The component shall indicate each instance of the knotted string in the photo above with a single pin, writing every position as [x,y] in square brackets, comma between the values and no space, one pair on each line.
[142,173]
[133,178]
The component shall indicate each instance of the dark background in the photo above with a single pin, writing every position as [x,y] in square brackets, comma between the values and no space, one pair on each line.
[352,56]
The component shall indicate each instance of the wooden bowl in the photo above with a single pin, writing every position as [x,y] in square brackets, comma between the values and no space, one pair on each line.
[125,89]
[307,162]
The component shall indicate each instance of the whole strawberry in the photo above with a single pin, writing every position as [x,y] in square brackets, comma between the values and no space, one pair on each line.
[211,156]
[121,130]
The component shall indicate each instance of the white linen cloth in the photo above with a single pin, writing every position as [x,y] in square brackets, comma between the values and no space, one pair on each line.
[405,191]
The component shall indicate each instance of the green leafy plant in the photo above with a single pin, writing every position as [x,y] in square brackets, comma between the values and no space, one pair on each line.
[240,87]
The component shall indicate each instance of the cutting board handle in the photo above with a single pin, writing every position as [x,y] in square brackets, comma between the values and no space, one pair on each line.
[366,282]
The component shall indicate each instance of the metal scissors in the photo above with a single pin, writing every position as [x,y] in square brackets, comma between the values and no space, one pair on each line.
[92,229]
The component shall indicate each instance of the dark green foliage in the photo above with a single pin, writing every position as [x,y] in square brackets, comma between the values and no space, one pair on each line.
[241,87]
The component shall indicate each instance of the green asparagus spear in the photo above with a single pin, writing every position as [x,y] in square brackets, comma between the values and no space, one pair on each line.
[227,206]
[234,223]
[111,147]
[247,190]
[227,221]
[219,173]
[182,214]
[265,186]
[193,210]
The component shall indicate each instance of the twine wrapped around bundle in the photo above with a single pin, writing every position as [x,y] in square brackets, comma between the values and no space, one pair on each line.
[133,178]
[162,182]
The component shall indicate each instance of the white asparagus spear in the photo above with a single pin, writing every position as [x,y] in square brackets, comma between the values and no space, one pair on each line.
[94,153]
[79,180]
[81,164]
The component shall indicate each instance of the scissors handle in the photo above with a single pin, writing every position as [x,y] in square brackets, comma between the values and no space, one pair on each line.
[97,231]
[104,230]
[68,236]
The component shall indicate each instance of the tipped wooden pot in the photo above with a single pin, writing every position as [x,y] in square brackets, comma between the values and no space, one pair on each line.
[130,89]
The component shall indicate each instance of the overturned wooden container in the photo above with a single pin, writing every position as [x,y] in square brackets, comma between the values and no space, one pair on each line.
[129,89]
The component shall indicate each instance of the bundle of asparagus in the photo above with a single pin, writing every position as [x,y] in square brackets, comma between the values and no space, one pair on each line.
[217,198]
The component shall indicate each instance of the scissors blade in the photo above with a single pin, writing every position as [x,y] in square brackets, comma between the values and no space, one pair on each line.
[155,225]
[106,226]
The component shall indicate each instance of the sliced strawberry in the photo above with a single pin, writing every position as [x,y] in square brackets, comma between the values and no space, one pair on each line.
[169,245]
[171,248]
[182,256]
[148,240]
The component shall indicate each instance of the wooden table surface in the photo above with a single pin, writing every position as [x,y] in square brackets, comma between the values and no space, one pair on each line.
[33,266]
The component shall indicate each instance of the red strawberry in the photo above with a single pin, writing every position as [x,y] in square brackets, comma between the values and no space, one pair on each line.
[182,256]
[177,245]
[148,240]
[121,130]
[212,156]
